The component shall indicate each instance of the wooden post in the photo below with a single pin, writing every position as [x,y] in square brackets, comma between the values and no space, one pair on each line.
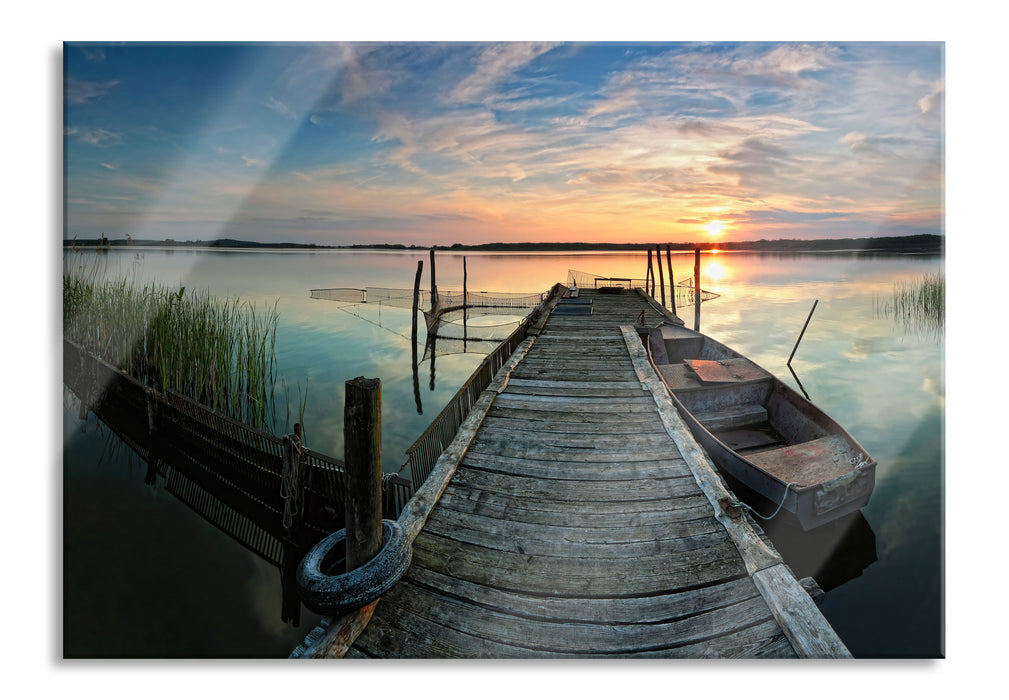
[662,277]
[416,300]
[650,276]
[697,289]
[416,308]
[434,286]
[465,305]
[672,284]
[362,436]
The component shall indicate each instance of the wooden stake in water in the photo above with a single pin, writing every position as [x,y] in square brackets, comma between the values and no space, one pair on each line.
[416,301]
[662,277]
[649,276]
[362,436]
[815,302]
[672,284]
[434,287]
[697,289]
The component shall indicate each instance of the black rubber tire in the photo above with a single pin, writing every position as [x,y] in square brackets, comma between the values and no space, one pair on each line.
[333,595]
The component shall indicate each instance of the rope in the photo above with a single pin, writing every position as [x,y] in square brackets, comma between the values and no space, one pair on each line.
[290,482]
[740,504]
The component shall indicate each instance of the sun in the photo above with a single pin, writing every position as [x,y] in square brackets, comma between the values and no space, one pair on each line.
[714,228]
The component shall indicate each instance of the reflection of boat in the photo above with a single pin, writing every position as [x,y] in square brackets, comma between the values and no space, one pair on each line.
[832,554]
[761,432]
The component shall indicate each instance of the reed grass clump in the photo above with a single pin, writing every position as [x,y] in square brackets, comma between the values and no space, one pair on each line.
[917,303]
[220,352]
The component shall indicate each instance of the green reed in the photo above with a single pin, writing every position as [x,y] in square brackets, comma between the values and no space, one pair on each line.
[919,304]
[220,352]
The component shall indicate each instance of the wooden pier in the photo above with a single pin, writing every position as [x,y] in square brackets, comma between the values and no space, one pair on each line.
[574,516]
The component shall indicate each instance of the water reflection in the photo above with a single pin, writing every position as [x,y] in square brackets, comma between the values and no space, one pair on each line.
[886,387]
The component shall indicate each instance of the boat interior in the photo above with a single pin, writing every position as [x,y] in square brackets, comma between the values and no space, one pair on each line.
[749,410]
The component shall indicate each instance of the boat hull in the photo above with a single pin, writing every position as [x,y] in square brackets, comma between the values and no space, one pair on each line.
[813,438]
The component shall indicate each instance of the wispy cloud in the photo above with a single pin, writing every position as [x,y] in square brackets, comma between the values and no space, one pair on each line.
[84,91]
[495,64]
[94,136]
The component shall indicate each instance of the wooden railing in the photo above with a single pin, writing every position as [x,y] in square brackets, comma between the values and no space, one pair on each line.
[241,466]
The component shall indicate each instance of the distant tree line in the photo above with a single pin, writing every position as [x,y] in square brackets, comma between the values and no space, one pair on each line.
[922,243]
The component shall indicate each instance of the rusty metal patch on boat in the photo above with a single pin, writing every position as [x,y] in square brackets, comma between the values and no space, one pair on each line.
[732,370]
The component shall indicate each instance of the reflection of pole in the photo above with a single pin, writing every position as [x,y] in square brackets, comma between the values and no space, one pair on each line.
[662,277]
[672,284]
[433,339]
[697,289]
[416,305]
[815,301]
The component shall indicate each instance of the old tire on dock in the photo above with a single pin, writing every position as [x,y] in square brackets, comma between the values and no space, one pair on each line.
[335,594]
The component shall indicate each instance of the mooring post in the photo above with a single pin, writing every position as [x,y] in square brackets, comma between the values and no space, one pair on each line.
[650,276]
[416,300]
[672,284]
[465,305]
[697,289]
[362,436]
[434,286]
[416,308]
[662,277]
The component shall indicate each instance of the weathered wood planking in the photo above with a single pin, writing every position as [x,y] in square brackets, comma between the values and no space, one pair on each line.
[571,525]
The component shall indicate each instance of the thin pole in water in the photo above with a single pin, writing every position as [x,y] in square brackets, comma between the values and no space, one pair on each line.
[789,363]
[662,277]
[697,289]
[672,284]
[650,276]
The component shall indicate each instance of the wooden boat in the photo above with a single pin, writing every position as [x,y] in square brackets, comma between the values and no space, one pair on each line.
[759,431]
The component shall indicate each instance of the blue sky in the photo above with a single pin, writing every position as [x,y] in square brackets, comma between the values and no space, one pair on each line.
[438,143]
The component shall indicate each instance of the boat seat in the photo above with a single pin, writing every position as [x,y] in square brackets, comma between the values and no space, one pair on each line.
[807,463]
[735,417]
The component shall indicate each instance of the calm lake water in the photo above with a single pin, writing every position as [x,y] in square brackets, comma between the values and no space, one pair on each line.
[145,576]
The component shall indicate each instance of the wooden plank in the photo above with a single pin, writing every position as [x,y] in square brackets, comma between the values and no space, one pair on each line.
[609,543]
[574,514]
[578,405]
[623,610]
[610,454]
[576,637]
[601,439]
[562,489]
[644,425]
[584,471]
[798,616]
[566,576]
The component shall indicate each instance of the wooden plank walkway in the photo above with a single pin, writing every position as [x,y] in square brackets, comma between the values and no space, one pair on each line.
[570,523]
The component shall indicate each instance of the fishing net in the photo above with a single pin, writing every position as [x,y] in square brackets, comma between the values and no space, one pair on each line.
[684,290]
[403,298]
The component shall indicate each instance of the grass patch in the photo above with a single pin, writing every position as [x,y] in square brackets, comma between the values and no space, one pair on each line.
[219,352]
[919,304]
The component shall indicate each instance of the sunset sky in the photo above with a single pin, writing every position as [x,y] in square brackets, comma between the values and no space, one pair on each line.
[438,143]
